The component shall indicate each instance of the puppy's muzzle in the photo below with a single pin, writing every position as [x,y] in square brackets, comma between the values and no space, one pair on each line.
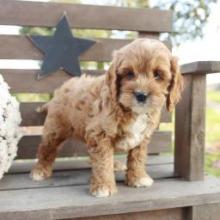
[140,97]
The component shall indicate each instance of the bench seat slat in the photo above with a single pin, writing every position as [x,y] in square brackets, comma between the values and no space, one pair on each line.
[73,178]
[74,201]
[22,166]
[161,142]
[84,16]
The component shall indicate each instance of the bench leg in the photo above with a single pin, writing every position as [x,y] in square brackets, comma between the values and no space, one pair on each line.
[203,212]
[190,129]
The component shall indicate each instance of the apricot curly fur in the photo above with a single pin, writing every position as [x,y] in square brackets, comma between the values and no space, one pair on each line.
[104,112]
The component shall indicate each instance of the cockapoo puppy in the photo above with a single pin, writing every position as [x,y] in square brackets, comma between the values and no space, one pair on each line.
[116,111]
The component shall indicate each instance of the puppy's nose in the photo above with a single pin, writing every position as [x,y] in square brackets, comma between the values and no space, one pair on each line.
[140,96]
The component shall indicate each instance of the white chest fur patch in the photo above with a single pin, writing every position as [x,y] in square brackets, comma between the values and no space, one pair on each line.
[133,134]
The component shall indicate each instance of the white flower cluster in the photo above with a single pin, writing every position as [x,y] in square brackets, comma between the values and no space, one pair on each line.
[10,133]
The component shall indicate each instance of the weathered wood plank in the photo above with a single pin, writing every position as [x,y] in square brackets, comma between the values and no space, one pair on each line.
[21,166]
[74,178]
[25,81]
[201,67]
[153,35]
[161,142]
[30,117]
[190,129]
[29,114]
[167,214]
[74,201]
[147,34]
[204,212]
[101,51]
[84,16]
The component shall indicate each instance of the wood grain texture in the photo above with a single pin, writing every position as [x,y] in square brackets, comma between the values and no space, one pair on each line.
[167,214]
[201,67]
[84,16]
[74,178]
[25,81]
[161,142]
[74,201]
[101,51]
[153,35]
[190,129]
[29,114]
[30,117]
[22,166]
[204,212]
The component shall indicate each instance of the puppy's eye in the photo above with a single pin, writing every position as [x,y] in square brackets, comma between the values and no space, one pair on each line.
[157,74]
[130,75]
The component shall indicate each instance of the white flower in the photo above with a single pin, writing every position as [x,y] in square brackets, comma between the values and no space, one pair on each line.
[10,132]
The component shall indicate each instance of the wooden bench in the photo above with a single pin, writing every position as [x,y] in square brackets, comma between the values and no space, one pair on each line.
[180,192]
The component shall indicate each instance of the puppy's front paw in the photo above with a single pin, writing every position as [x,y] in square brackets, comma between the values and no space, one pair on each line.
[39,173]
[145,181]
[103,191]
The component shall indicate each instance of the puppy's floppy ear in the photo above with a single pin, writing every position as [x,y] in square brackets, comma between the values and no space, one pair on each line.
[176,87]
[112,78]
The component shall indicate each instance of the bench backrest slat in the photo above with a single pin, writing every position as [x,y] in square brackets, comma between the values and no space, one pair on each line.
[28,146]
[32,118]
[23,13]
[21,47]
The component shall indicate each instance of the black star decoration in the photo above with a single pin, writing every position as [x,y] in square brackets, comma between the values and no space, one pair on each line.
[62,50]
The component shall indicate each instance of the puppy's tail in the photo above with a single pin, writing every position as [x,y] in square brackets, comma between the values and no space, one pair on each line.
[43,108]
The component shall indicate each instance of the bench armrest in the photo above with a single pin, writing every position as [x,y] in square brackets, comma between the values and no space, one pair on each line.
[200,67]
[190,120]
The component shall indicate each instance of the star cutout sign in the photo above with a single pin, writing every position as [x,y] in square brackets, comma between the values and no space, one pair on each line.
[62,50]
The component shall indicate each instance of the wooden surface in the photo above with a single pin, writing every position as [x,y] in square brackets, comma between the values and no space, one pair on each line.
[22,166]
[167,214]
[161,142]
[74,178]
[204,212]
[101,51]
[190,129]
[25,81]
[84,16]
[30,117]
[201,67]
[74,201]
[17,79]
